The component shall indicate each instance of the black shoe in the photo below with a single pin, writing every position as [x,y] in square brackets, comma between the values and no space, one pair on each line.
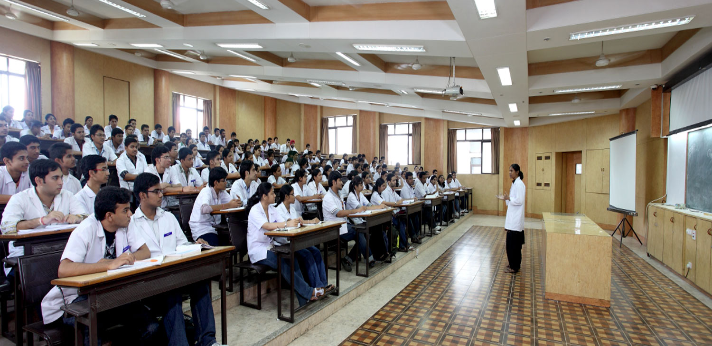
[416,241]
[401,249]
[371,264]
[345,265]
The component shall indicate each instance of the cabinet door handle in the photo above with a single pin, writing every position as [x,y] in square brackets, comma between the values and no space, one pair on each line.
[709,231]
[695,227]
[655,213]
[672,219]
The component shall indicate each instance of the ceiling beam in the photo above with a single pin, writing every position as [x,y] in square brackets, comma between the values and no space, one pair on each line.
[156,9]
[589,96]
[541,3]
[299,7]
[435,70]
[375,61]
[29,19]
[319,64]
[677,41]
[84,20]
[128,23]
[230,60]
[224,18]
[416,10]
[271,59]
[281,11]
[651,56]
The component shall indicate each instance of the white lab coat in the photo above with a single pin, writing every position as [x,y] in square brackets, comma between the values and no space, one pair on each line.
[125,164]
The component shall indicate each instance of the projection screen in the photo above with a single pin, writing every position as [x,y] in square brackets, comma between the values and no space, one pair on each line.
[622,173]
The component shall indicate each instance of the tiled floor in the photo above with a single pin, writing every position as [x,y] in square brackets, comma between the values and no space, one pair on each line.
[465,298]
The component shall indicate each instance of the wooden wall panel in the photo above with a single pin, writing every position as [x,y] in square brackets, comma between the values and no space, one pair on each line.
[311,125]
[250,116]
[516,148]
[89,86]
[425,10]
[656,112]
[227,107]
[116,101]
[62,65]
[627,120]
[368,133]
[289,120]
[270,117]
[435,143]
[162,96]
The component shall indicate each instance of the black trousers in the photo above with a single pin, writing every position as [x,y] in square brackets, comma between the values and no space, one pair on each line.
[514,249]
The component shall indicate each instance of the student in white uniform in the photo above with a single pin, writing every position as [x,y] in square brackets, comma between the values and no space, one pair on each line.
[27,117]
[248,184]
[100,243]
[8,112]
[197,160]
[432,188]
[130,164]
[275,145]
[4,130]
[184,173]
[113,124]
[42,204]
[299,183]
[213,160]
[420,192]
[456,184]
[66,130]
[263,217]
[157,133]
[314,189]
[257,157]
[276,178]
[33,148]
[162,234]
[345,190]
[284,148]
[212,198]
[35,129]
[95,146]
[96,174]
[514,222]
[367,181]
[450,185]
[228,164]
[144,137]
[287,168]
[61,153]
[408,193]
[325,174]
[50,127]
[88,123]
[355,200]
[391,198]
[203,143]
[76,140]
[14,175]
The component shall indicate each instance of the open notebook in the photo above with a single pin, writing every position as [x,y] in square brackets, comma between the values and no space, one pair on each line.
[49,228]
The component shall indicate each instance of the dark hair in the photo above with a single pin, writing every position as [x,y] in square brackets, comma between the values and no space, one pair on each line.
[274,168]
[284,191]
[40,168]
[202,134]
[35,123]
[183,153]
[113,117]
[234,134]
[222,130]
[262,189]
[75,126]
[390,176]
[94,129]
[314,173]
[439,183]
[364,167]
[58,150]
[211,155]
[378,184]
[29,139]
[171,128]
[352,174]
[126,127]
[225,154]
[142,183]
[216,174]
[67,121]
[355,182]
[245,168]
[89,163]
[270,152]
[333,176]
[130,139]
[157,126]
[107,200]
[192,146]
[516,168]
[157,152]
[302,162]
[327,168]
[10,149]
[217,148]
[85,118]
[144,126]
[49,115]
[298,175]
[170,145]
[421,174]
[216,129]
[408,174]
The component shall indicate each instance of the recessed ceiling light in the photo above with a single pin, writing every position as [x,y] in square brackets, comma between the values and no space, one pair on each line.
[316,84]
[34,9]
[86,44]
[598,88]
[390,48]
[486,8]
[463,113]
[324,82]
[348,58]
[242,56]
[127,10]
[402,92]
[517,123]
[240,45]
[184,72]
[188,45]
[622,29]
[505,77]
[244,77]
[259,4]
[572,113]
[173,54]
[147,45]
[428,91]
[513,108]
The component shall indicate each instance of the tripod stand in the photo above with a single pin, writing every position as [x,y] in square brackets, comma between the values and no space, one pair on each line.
[621,226]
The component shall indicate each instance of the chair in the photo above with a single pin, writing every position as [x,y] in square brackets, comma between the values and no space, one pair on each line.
[184,211]
[238,237]
[36,273]
[6,293]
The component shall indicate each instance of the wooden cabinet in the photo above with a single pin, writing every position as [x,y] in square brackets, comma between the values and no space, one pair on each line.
[690,255]
[605,168]
[655,232]
[702,255]
[596,170]
[673,240]
[542,175]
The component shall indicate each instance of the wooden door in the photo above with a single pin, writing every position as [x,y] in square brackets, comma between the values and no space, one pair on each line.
[593,171]
[605,165]
[667,238]
[704,243]
[678,242]
[690,254]
[116,101]
[570,192]
[546,171]
[655,240]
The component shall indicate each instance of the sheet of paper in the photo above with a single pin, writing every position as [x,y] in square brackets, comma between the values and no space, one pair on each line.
[149,262]
[432,196]
[234,209]
[49,228]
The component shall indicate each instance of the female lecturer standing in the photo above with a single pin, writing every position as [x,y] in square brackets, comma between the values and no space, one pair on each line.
[514,223]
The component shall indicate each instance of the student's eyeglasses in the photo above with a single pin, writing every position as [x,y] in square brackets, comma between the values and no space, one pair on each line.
[165,157]
[101,169]
[156,191]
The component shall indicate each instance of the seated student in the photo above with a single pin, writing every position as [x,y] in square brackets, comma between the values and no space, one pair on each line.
[314,187]
[248,183]
[456,184]
[219,148]
[327,171]
[66,130]
[189,133]
[372,168]
[113,124]
[8,112]
[172,152]
[33,148]
[128,131]
[345,190]
[421,191]
[263,217]
[88,123]
[135,130]
[184,173]
[116,141]
[365,168]
[276,178]
[14,175]
[43,204]
[215,137]
[96,246]
[391,198]
[144,137]
[157,133]
[270,161]
[170,136]
[450,185]
[222,140]
[96,173]
[228,164]
[432,187]
[264,147]
[203,143]
[47,131]
[76,140]
[61,153]
[212,198]
[213,161]
[183,141]
[299,184]
[130,164]
[367,181]
[95,146]
[350,167]
[377,173]
[316,158]
[197,160]
[35,129]
[257,157]
[4,130]
[288,168]
[408,193]
[334,210]
[161,232]
[24,123]
[356,200]
[307,150]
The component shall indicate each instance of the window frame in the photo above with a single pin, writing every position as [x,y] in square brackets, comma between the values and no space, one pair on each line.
[410,160]
[12,74]
[199,112]
[482,145]
[336,131]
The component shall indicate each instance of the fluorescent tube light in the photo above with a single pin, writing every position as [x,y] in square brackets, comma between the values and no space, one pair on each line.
[184,72]
[379,104]
[300,95]
[239,45]
[242,56]
[622,29]
[188,45]
[463,113]
[390,48]
[572,113]
[402,92]
[348,58]
[517,123]
[127,10]
[513,108]
[147,45]
[429,91]
[505,77]
[246,89]
[324,82]
[486,8]
[240,76]
[38,10]
[316,84]
[259,4]
[598,88]
[86,44]
[175,55]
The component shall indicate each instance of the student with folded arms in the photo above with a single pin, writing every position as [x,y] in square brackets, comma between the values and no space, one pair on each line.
[212,198]
[77,139]
[61,153]
[263,217]
[14,175]
[96,173]
[130,164]
[184,173]
[276,178]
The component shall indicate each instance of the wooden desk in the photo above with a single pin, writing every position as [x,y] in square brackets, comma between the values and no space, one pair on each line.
[301,238]
[578,260]
[375,218]
[434,202]
[106,291]
[410,209]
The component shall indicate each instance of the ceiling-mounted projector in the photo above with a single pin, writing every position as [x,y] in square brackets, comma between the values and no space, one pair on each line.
[453,91]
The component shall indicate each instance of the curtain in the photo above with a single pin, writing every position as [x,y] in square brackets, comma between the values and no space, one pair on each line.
[354,142]
[383,141]
[34,91]
[176,112]
[451,151]
[324,136]
[207,114]
[495,150]
[416,143]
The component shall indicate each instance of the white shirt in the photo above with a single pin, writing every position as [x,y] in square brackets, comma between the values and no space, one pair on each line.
[45,130]
[376,198]
[274,146]
[90,149]
[178,176]
[376,175]
[17,124]
[162,234]
[314,188]
[389,196]
[298,191]
[349,168]
[86,198]
[451,185]
[167,139]
[60,135]
[71,184]
[515,206]
[240,190]
[156,136]
[25,132]
[354,203]
[260,162]
[86,131]
[203,223]
[331,205]
[203,146]
[280,181]
[257,242]
[283,148]
[407,192]
[9,139]
[198,162]
[73,142]
[285,215]
[86,245]
[219,140]
[125,164]
[420,191]
[8,186]
[344,192]
[108,129]
[142,140]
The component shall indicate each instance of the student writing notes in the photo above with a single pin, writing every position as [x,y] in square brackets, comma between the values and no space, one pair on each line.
[212,198]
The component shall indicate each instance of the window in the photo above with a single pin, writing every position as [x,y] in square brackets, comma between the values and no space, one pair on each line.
[474,151]
[400,144]
[341,134]
[12,84]
[191,114]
